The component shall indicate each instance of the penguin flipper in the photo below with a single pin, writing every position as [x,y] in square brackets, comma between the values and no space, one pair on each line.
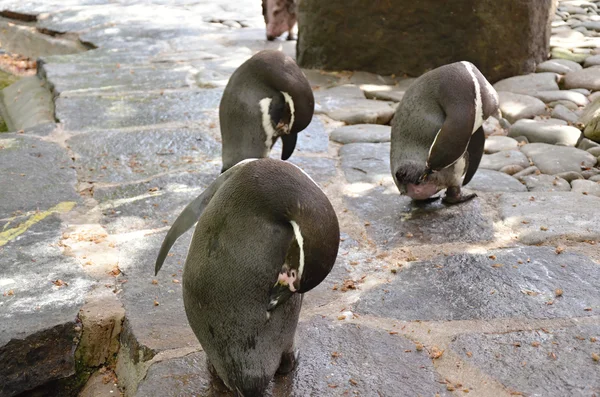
[475,150]
[450,143]
[289,144]
[190,215]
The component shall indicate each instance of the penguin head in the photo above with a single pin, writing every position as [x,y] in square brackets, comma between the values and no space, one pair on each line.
[268,97]
[415,180]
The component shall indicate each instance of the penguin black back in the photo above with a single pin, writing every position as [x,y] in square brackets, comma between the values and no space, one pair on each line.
[265,235]
[266,98]
[437,134]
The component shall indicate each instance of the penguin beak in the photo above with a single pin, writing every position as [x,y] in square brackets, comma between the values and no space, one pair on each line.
[279,294]
[289,144]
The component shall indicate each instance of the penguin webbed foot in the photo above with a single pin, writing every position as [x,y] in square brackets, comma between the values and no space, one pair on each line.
[217,383]
[455,196]
[289,360]
[427,200]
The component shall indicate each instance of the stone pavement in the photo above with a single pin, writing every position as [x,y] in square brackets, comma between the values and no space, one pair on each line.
[496,297]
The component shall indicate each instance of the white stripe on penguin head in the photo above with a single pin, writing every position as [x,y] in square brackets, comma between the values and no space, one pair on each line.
[265,103]
[478,103]
[290,103]
[300,241]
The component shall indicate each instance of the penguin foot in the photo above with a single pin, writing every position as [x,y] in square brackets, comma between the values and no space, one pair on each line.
[454,196]
[288,362]
[217,383]
[427,200]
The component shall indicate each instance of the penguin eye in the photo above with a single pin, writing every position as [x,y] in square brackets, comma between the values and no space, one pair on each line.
[293,272]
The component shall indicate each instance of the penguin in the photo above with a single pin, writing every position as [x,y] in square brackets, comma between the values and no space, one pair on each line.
[437,135]
[265,235]
[266,98]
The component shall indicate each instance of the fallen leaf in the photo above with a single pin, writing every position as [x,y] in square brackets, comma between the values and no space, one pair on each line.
[595,357]
[497,265]
[558,292]
[353,382]
[435,353]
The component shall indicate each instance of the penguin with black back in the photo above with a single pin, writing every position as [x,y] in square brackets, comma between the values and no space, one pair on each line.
[266,98]
[437,135]
[265,235]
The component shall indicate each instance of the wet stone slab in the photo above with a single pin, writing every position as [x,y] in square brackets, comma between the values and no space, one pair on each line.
[163,325]
[555,362]
[127,156]
[395,220]
[321,170]
[367,364]
[150,204]
[36,175]
[519,282]
[539,217]
[71,78]
[118,111]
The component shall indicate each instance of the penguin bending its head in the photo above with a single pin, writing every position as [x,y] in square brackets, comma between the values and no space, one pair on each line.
[266,234]
[437,134]
[266,98]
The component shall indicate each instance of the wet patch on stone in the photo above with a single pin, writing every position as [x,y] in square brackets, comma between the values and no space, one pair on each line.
[395,220]
[540,217]
[520,282]
[538,363]
[127,156]
[150,204]
[118,111]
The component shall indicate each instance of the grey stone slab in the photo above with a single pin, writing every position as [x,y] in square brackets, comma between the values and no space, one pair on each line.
[321,170]
[518,106]
[72,78]
[394,220]
[495,181]
[528,83]
[539,131]
[118,111]
[155,315]
[128,156]
[551,215]
[366,363]
[27,103]
[348,104]
[361,133]
[469,286]
[555,362]
[499,160]
[150,204]
[366,162]
[36,175]
[545,183]
[498,143]
[553,160]
[38,319]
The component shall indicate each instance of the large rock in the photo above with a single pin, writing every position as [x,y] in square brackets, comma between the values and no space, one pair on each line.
[495,181]
[553,160]
[586,78]
[518,106]
[591,119]
[529,83]
[363,35]
[538,131]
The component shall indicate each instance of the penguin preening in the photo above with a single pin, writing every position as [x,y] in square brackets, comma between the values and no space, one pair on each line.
[266,234]
[266,98]
[437,135]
